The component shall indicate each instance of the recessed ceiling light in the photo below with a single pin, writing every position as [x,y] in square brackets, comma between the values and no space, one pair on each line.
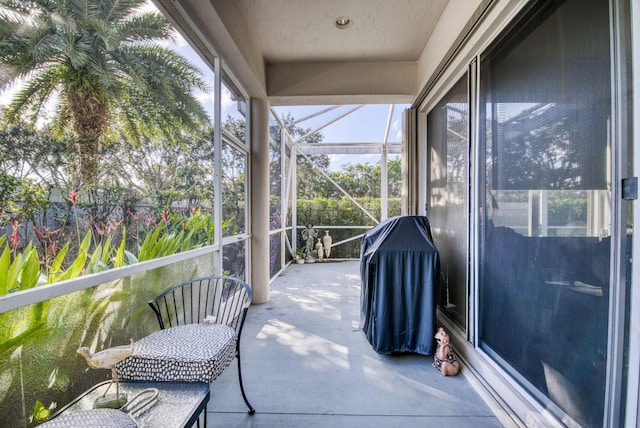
[342,22]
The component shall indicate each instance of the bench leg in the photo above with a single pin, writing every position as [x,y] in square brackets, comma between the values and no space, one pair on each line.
[244,396]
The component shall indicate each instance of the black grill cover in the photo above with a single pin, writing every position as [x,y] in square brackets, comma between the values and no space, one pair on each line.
[399,267]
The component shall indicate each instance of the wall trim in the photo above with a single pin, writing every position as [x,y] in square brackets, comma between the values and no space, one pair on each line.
[476,19]
[45,292]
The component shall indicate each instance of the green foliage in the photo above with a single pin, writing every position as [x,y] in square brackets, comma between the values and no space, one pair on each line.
[30,269]
[38,343]
[200,228]
[113,80]
[40,412]
[160,243]
[21,198]
[20,272]
[163,174]
[120,253]
[310,182]
[29,153]
[343,212]
[180,234]
[568,210]
[364,180]
[77,266]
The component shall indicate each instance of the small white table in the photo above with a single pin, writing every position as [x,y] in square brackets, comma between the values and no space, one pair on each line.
[179,404]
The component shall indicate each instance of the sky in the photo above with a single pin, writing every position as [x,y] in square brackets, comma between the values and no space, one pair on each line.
[365,125]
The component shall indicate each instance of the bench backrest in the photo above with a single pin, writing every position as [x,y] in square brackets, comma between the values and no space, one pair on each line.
[213,299]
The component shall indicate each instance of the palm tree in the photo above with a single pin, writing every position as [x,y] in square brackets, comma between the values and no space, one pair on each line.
[95,67]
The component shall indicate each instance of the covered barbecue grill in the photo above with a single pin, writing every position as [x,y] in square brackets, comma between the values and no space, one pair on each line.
[399,268]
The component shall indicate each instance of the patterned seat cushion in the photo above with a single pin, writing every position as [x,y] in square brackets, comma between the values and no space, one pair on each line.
[96,418]
[186,353]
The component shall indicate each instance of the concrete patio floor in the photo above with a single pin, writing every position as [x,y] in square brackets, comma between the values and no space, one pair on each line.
[305,363]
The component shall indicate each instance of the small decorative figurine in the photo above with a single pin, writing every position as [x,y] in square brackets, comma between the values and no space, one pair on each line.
[319,250]
[445,359]
[107,359]
[211,319]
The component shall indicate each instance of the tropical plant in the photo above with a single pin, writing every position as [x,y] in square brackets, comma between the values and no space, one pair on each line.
[21,273]
[173,233]
[93,66]
[300,253]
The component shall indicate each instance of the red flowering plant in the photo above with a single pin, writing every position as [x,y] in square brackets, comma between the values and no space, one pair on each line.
[80,245]
[46,238]
[73,197]
[15,234]
[18,270]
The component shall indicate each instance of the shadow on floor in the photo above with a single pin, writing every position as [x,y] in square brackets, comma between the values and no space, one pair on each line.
[305,363]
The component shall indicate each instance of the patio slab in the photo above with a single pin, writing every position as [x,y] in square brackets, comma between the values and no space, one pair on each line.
[305,362]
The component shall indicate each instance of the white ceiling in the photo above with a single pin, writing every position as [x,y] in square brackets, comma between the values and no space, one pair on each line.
[290,51]
[304,30]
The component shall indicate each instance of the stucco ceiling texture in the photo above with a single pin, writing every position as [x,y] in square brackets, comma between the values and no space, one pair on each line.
[304,30]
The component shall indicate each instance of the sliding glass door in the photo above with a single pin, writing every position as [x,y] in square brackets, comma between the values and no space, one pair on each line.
[448,160]
[529,209]
[545,204]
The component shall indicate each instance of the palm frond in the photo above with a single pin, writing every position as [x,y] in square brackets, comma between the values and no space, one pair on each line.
[18,6]
[119,10]
[78,50]
[159,75]
[144,28]
[105,72]
[157,122]
[27,44]
[47,47]
[104,36]
[161,65]
[33,95]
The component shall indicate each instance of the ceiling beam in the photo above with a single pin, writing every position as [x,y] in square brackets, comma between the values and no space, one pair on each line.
[339,82]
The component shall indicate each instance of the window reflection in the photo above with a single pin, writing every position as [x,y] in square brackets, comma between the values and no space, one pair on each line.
[447,133]
[546,205]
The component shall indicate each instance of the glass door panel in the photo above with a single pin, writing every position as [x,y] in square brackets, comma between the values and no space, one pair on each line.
[448,140]
[234,211]
[545,217]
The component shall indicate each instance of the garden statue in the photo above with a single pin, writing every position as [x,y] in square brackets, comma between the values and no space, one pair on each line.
[309,234]
[327,240]
[319,250]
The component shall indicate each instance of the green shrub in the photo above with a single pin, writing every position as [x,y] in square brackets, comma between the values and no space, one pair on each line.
[342,212]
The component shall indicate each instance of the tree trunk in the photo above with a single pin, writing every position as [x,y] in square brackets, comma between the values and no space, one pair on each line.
[89,112]
[89,148]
